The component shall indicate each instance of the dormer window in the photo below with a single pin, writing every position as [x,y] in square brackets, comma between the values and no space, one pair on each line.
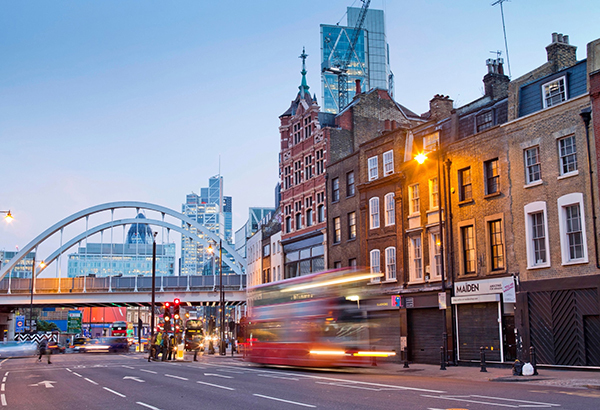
[554,92]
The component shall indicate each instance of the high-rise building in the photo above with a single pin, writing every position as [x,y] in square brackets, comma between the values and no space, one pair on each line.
[23,268]
[131,258]
[368,62]
[204,209]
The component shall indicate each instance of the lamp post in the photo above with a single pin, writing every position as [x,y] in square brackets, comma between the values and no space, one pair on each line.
[8,217]
[153,294]
[420,159]
[221,302]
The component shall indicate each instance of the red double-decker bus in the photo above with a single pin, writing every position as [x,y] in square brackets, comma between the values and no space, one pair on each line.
[312,320]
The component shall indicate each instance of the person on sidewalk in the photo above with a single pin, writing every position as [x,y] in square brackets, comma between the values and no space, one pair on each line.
[44,351]
[165,346]
[172,348]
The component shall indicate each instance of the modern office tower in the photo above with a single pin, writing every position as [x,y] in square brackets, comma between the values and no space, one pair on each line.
[131,258]
[204,209]
[369,61]
[23,268]
[255,215]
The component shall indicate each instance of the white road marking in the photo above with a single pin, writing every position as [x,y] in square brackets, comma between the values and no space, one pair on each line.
[114,392]
[77,374]
[471,401]
[216,385]
[91,381]
[176,377]
[2,387]
[284,401]
[4,379]
[3,398]
[147,371]
[137,379]
[45,383]
[272,376]
[6,374]
[351,386]
[218,375]
[230,371]
[386,386]
[518,401]
[195,367]
[147,405]
[69,370]
[128,367]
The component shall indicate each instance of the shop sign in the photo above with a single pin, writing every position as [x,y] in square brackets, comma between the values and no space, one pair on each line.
[506,286]
[396,301]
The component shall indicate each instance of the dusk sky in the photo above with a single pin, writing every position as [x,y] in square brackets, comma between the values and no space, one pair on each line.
[105,101]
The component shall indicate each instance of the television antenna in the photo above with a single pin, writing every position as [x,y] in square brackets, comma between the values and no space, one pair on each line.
[500,2]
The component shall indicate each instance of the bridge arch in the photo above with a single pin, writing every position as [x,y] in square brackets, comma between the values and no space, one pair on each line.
[111,206]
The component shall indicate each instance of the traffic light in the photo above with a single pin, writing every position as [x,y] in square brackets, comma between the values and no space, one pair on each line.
[167,316]
[176,314]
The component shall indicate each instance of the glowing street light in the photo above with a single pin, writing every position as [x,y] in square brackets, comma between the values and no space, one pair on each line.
[8,218]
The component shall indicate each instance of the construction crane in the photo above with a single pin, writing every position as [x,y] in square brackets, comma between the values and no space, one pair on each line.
[340,67]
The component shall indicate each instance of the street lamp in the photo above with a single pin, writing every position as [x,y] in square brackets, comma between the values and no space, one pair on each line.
[222,345]
[420,158]
[32,290]
[153,294]
[8,217]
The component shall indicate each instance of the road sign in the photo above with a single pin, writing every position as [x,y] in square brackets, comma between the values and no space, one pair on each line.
[19,324]
[74,321]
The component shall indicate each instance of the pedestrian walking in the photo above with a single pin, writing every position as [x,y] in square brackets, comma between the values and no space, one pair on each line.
[44,351]
[172,348]
[157,345]
[165,346]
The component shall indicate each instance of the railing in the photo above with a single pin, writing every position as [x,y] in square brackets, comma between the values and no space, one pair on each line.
[123,284]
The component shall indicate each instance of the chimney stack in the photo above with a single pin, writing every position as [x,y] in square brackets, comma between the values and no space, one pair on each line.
[495,82]
[560,53]
[440,107]
[358,90]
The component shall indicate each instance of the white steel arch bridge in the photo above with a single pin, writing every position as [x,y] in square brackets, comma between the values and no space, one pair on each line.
[118,290]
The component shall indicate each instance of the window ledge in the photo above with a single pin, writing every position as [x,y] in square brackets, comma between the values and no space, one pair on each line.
[568,175]
[350,196]
[575,262]
[389,281]
[414,215]
[540,266]
[351,239]
[490,196]
[532,184]
[466,202]
[374,283]
[386,225]
[417,282]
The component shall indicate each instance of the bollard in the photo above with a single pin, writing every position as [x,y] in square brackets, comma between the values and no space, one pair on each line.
[482,355]
[442,359]
[533,360]
[405,358]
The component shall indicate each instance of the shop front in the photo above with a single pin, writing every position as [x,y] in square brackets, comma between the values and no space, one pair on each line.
[484,317]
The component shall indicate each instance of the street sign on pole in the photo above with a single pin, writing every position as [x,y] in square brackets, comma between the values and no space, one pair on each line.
[74,321]
[19,324]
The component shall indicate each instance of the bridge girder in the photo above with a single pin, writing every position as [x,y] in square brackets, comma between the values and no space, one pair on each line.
[111,206]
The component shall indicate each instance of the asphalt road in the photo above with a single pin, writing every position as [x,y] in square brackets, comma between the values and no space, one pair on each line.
[115,382]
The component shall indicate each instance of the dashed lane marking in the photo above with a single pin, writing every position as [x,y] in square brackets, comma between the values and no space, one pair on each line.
[284,401]
[3,399]
[128,367]
[91,381]
[77,374]
[114,392]
[514,403]
[272,376]
[147,405]
[148,371]
[215,385]
[176,377]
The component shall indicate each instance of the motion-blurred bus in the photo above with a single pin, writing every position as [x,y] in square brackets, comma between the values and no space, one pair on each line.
[312,320]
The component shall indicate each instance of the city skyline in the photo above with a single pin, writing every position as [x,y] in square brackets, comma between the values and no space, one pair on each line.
[106,102]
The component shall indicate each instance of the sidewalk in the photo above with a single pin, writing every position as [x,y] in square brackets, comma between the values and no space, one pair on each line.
[550,377]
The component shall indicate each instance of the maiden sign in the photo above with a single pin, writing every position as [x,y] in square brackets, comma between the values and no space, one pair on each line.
[506,286]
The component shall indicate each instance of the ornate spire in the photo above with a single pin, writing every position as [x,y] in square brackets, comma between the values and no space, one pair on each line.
[303,86]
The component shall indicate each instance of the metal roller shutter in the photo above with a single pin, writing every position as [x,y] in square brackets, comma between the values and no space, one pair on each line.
[424,335]
[477,327]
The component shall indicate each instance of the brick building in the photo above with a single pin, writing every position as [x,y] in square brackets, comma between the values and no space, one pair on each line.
[552,199]
[302,162]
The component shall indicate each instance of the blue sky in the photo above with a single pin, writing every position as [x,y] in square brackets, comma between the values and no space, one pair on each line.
[135,100]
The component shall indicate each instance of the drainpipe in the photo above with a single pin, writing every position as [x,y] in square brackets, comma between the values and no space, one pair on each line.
[586,115]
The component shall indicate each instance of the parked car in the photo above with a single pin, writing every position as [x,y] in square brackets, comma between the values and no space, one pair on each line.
[18,349]
[56,347]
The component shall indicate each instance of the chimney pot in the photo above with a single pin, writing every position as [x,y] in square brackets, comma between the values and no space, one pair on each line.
[560,38]
[554,37]
[566,39]
[358,90]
